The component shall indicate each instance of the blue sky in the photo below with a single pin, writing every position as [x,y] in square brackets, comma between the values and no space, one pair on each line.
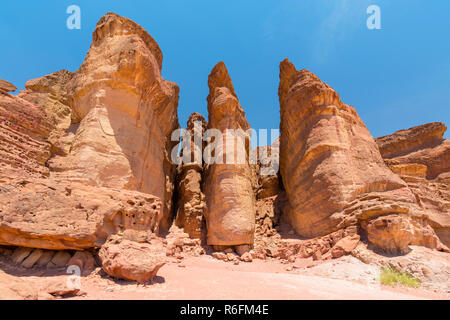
[396,77]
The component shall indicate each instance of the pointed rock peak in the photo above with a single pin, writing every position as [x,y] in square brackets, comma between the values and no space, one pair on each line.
[219,77]
[6,86]
[113,25]
[305,79]
[288,71]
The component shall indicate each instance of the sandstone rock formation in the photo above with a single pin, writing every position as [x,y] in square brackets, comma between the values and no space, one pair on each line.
[6,86]
[23,146]
[267,170]
[50,94]
[57,216]
[191,200]
[395,233]
[85,155]
[126,114]
[86,170]
[332,170]
[130,260]
[421,156]
[230,212]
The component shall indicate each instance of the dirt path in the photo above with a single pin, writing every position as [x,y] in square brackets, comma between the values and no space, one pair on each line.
[205,278]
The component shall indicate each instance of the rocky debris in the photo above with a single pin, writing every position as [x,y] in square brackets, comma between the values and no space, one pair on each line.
[191,200]
[319,248]
[125,113]
[129,260]
[24,129]
[220,256]
[267,170]
[344,246]
[230,203]
[232,257]
[58,216]
[178,242]
[6,86]
[421,156]
[49,93]
[247,257]
[62,288]
[268,213]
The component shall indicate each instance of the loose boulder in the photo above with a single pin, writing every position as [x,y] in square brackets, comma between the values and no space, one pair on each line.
[129,260]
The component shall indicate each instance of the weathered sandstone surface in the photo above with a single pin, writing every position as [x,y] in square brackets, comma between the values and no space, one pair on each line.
[24,149]
[230,211]
[87,177]
[85,155]
[332,169]
[48,215]
[267,170]
[126,114]
[6,86]
[50,94]
[191,200]
[421,156]
[125,259]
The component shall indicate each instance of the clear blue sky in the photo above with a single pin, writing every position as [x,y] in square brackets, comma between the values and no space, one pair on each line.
[396,77]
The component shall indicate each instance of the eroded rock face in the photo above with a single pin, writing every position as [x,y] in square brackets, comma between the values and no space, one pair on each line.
[191,200]
[267,170]
[6,86]
[129,260]
[421,156]
[394,233]
[126,113]
[50,94]
[24,129]
[331,167]
[48,215]
[230,212]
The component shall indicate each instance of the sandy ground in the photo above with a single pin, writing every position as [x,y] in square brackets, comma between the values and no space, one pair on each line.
[205,278]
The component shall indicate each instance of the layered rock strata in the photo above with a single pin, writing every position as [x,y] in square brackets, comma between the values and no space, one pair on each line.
[24,149]
[421,156]
[331,167]
[49,93]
